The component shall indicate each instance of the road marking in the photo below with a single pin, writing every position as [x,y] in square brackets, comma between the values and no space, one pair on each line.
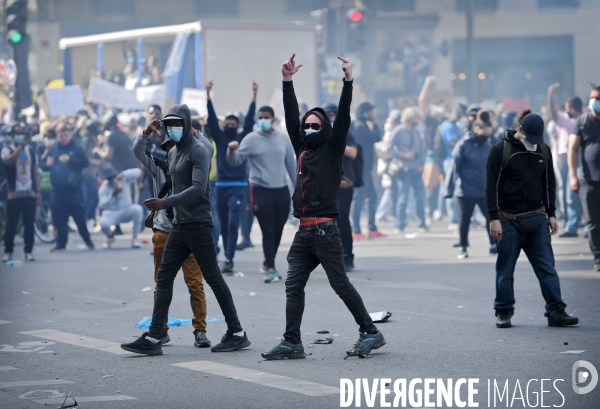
[34,383]
[266,379]
[4,322]
[7,368]
[58,401]
[78,340]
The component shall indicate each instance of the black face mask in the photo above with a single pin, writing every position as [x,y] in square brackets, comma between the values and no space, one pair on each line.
[314,140]
[230,132]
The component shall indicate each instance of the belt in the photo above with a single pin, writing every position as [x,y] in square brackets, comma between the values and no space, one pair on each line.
[319,226]
[316,220]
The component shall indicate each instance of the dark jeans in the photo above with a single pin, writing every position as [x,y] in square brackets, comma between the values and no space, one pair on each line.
[365,192]
[411,179]
[590,199]
[344,220]
[215,214]
[16,209]
[309,249]
[90,197]
[467,206]
[538,248]
[246,216]
[431,197]
[65,204]
[194,238]
[271,207]
[230,199]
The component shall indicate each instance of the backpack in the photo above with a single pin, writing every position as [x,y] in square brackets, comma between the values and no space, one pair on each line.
[507,151]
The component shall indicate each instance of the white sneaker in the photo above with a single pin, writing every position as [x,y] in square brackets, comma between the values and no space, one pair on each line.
[7,257]
[135,244]
[91,225]
[108,243]
[29,257]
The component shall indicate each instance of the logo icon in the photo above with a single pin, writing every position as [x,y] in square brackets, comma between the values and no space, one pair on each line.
[581,377]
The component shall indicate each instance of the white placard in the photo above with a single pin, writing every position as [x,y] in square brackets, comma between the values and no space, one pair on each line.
[115,96]
[65,101]
[195,99]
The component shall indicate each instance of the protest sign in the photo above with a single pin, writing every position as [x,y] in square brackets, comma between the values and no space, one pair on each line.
[64,101]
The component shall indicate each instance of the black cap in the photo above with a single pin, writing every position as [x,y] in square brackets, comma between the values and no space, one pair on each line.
[533,128]
[109,172]
[473,109]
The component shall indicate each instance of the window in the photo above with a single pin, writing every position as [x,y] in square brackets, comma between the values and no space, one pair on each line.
[217,7]
[552,4]
[305,6]
[480,5]
[113,7]
[396,5]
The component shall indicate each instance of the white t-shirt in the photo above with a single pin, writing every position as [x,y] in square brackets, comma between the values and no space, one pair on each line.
[23,180]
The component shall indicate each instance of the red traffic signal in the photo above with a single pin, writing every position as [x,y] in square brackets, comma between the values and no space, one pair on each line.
[355,15]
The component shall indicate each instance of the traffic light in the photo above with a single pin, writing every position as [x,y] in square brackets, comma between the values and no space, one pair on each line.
[15,23]
[355,30]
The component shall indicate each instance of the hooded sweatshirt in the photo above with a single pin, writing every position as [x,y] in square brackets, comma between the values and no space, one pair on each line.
[469,158]
[189,167]
[319,155]
[59,172]
[267,155]
[525,185]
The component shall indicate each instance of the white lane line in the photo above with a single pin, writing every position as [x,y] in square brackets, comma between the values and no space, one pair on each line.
[34,383]
[78,340]
[261,378]
[6,368]
[59,401]
[4,322]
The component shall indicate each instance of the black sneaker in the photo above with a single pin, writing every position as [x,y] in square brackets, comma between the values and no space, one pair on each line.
[349,263]
[493,249]
[568,234]
[200,339]
[503,320]
[365,343]
[230,343]
[285,350]
[245,244]
[228,267]
[560,318]
[165,339]
[143,346]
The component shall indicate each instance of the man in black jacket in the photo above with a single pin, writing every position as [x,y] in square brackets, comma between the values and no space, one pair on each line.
[319,150]
[521,196]
[189,167]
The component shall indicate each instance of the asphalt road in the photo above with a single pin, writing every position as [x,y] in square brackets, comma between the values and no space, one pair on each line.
[63,316]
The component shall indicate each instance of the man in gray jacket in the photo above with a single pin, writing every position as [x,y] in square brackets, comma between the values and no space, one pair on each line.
[268,152]
[192,275]
[189,167]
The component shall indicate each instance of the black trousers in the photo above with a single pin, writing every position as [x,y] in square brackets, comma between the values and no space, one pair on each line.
[467,206]
[590,199]
[195,238]
[346,196]
[309,249]
[271,208]
[21,208]
[65,204]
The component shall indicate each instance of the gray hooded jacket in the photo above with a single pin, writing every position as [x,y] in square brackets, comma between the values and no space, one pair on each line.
[189,167]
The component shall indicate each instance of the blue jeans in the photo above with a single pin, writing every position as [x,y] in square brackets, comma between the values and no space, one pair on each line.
[365,192]
[90,197]
[573,212]
[412,179]
[230,199]
[538,248]
[215,214]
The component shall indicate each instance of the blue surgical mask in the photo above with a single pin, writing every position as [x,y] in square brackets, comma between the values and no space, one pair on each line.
[18,139]
[595,105]
[309,131]
[265,124]
[175,133]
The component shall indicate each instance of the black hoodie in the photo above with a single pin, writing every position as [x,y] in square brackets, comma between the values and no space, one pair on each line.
[189,167]
[60,172]
[319,156]
[525,185]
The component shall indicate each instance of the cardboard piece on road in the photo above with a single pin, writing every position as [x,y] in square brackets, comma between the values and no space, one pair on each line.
[195,99]
[380,316]
[64,101]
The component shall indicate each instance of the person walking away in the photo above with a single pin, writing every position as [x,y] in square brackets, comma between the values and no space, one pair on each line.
[406,146]
[89,142]
[23,181]
[319,150]
[366,132]
[161,227]
[65,161]
[467,179]
[569,201]
[116,204]
[586,135]
[521,196]
[388,198]
[268,152]
[351,178]
[189,167]
[231,180]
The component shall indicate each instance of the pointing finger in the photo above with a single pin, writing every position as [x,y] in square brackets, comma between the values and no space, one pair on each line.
[343,59]
[292,57]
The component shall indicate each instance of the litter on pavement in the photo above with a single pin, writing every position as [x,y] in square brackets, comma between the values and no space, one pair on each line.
[380,316]
[172,322]
[323,341]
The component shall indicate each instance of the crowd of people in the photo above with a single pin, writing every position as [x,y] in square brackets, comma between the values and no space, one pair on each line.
[205,179]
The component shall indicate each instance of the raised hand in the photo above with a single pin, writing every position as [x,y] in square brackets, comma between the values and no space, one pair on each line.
[254,87]
[289,68]
[153,126]
[347,67]
[233,146]
[208,86]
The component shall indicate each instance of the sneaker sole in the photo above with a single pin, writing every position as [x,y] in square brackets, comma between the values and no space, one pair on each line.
[143,351]
[376,346]
[562,325]
[505,325]
[165,340]
[235,348]
[274,280]
[282,357]
[203,345]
